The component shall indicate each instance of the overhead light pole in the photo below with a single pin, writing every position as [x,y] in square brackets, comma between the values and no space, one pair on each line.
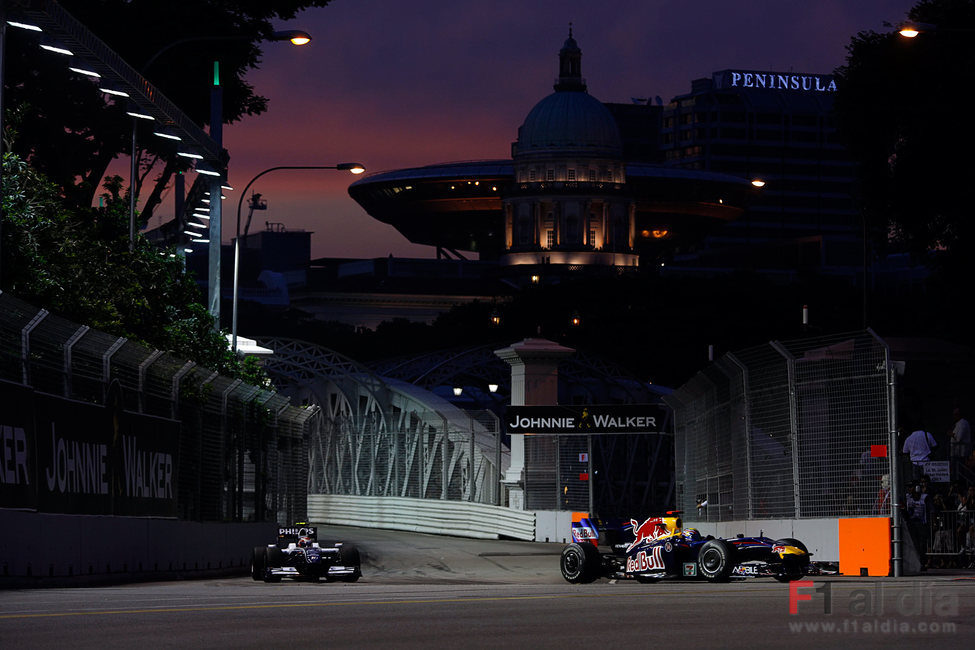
[295,37]
[353,168]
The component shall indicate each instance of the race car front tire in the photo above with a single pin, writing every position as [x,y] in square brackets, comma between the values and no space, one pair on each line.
[793,568]
[258,563]
[579,564]
[714,561]
[273,557]
[350,557]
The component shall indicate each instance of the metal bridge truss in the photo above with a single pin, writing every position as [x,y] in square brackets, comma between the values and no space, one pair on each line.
[384,437]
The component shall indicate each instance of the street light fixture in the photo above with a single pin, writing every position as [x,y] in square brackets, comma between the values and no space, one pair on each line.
[296,37]
[353,168]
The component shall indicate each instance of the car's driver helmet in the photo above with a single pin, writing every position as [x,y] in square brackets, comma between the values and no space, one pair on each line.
[691,534]
[304,541]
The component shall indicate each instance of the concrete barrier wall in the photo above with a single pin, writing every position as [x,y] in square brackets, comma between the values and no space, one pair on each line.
[821,536]
[553,526]
[460,518]
[47,546]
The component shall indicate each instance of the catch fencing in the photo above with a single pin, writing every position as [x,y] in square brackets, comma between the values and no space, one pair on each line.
[795,429]
[78,403]
[627,474]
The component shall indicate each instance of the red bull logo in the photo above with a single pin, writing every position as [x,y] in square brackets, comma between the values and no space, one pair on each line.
[582,533]
[643,562]
[648,531]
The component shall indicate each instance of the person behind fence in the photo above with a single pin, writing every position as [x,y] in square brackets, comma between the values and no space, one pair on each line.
[942,542]
[959,438]
[882,503]
[919,446]
[965,531]
[918,509]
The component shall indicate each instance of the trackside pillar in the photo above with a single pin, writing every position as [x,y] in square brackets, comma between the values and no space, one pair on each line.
[534,382]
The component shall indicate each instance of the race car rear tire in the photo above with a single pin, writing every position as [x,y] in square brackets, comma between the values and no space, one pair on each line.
[715,561]
[257,563]
[350,557]
[579,564]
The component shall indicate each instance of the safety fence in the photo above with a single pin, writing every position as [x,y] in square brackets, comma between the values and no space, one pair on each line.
[77,405]
[792,429]
[951,537]
[628,474]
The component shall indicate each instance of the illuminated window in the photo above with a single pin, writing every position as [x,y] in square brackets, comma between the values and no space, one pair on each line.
[550,238]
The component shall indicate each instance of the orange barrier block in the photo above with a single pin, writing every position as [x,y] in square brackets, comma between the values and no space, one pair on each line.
[865,546]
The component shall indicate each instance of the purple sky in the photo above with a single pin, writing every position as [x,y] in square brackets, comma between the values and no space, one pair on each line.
[401,84]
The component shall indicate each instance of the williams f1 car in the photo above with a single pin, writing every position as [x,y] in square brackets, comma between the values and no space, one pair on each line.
[297,554]
[661,547]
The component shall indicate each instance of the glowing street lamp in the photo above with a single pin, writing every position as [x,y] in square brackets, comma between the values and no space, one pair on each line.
[352,168]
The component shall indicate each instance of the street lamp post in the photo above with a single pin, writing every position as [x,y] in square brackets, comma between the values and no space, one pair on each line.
[295,37]
[354,168]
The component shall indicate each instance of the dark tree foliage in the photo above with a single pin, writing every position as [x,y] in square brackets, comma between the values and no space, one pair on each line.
[902,109]
[62,125]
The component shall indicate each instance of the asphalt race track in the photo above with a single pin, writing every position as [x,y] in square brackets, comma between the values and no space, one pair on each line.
[427,591]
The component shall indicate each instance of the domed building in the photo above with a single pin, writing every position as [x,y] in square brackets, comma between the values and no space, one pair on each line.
[567,200]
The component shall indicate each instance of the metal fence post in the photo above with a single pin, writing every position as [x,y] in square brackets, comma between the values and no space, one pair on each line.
[558,472]
[107,364]
[444,459]
[143,369]
[25,344]
[68,387]
[793,424]
[748,430]
[589,471]
[470,460]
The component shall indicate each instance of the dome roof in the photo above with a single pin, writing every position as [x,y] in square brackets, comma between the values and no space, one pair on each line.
[569,122]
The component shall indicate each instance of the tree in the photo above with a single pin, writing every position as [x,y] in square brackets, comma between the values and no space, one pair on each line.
[64,127]
[900,108]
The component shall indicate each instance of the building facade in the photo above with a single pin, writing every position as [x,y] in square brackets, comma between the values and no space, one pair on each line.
[571,199]
[568,202]
[777,127]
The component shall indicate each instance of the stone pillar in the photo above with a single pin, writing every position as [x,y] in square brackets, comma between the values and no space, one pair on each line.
[534,382]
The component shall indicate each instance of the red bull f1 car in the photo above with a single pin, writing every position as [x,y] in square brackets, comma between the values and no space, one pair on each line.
[298,554]
[661,547]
